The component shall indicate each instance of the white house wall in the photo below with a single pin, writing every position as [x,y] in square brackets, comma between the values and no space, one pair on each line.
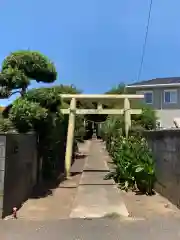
[166,117]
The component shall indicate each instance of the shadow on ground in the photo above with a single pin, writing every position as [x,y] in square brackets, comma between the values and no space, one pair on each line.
[46,188]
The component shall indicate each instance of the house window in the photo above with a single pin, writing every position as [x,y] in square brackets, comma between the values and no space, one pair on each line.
[170,96]
[148,97]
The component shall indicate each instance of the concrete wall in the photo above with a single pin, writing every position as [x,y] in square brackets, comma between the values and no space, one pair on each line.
[165,145]
[2,170]
[18,170]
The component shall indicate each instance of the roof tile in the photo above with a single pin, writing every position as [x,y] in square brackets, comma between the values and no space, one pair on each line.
[158,81]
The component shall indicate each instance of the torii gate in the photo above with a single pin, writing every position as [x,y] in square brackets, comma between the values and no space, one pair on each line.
[73,111]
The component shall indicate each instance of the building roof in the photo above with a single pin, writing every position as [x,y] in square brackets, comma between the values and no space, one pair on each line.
[157,81]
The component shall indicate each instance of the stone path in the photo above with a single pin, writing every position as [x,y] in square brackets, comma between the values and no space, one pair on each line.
[97,197]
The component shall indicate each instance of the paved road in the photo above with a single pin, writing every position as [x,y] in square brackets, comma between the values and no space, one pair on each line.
[79,229]
[97,197]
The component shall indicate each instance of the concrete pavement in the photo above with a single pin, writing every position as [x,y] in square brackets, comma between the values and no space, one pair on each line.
[97,197]
[79,229]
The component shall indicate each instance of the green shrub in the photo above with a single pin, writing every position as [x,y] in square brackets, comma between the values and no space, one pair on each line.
[48,98]
[111,129]
[22,66]
[37,109]
[133,161]
[51,145]
[33,64]
[26,115]
[147,119]
[134,165]
[6,125]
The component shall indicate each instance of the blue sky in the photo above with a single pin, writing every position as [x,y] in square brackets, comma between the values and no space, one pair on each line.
[95,44]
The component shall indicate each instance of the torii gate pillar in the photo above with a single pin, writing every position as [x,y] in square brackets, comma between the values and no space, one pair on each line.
[70,137]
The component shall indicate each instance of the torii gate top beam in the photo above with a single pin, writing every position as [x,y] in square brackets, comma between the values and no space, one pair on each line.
[102,96]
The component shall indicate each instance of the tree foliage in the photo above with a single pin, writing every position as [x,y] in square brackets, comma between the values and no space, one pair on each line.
[22,66]
[67,89]
[6,125]
[47,97]
[26,115]
[37,109]
[119,89]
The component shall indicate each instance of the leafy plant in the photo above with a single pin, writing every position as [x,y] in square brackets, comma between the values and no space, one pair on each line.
[48,98]
[132,159]
[147,119]
[26,115]
[6,125]
[133,165]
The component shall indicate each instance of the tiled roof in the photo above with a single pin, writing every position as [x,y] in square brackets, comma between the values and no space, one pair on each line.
[158,81]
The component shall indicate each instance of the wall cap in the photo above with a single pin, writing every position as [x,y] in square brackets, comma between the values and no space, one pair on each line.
[16,133]
[172,132]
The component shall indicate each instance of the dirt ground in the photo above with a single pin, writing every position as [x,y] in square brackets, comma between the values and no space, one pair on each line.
[142,206]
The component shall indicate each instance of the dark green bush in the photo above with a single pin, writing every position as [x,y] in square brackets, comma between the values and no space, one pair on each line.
[133,164]
[26,115]
[48,98]
[22,66]
[52,145]
[147,119]
[40,110]
[79,132]
[6,125]
[33,64]
[133,161]
[37,109]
